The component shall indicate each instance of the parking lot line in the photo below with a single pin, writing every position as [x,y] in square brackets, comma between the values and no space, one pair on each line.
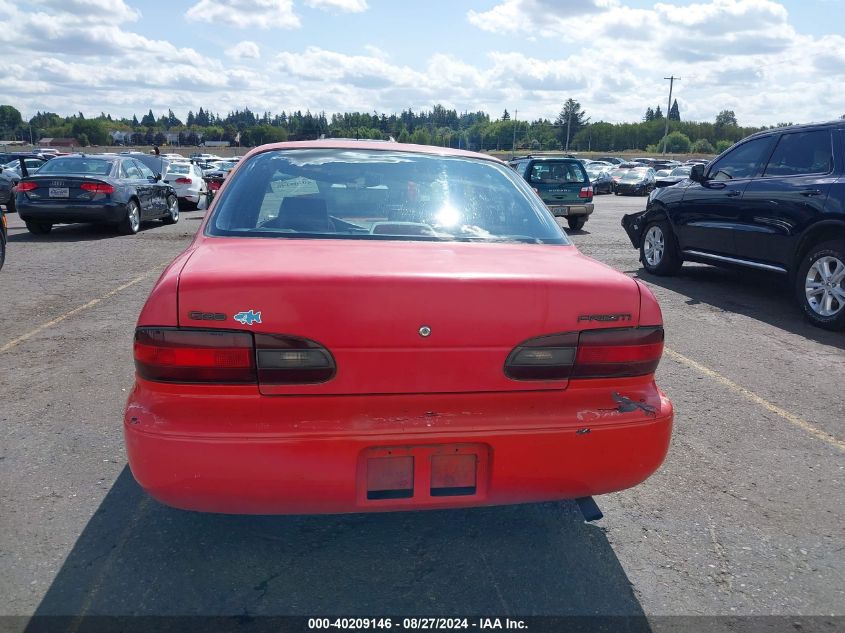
[793,419]
[24,337]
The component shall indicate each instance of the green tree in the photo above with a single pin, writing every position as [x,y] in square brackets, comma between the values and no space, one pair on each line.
[726,118]
[149,119]
[506,115]
[10,120]
[675,112]
[722,145]
[658,113]
[649,114]
[676,142]
[570,121]
[702,146]
[82,139]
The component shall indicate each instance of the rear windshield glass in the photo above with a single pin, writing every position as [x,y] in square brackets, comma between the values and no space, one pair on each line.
[373,194]
[634,174]
[178,169]
[94,166]
[557,173]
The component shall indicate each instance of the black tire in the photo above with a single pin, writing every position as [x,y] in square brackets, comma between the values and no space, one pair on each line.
[131,223]
[2,252]
[658,249]
[38,228]
[824,305]
[172,216]
[576,223]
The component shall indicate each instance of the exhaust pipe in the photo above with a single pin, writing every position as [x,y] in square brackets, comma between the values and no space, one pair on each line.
[589,509]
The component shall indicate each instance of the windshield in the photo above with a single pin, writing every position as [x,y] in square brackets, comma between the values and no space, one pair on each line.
[179,168]
[76,165]
[634,174]
[373,194]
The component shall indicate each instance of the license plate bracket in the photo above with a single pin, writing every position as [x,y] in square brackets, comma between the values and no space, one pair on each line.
[439,474]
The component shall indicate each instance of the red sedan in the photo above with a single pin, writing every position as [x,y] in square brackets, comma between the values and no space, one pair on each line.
[365,326]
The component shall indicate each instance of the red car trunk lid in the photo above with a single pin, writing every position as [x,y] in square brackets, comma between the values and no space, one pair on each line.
[401,316]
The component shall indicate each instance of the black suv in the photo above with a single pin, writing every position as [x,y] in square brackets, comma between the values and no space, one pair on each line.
[774,201]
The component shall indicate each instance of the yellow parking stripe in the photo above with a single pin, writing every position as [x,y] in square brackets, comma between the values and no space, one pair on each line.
[24,337]
[801,423]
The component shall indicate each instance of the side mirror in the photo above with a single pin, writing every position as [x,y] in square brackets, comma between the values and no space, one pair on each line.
[697,173]
[158,177]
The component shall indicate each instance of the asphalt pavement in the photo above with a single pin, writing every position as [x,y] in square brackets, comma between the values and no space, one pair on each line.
[746,516]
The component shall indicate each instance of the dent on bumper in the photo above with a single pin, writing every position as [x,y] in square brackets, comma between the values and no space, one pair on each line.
[273,455]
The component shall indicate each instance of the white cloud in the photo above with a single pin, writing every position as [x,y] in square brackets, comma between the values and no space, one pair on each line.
[263,14]
[244,50]
[345,6]
[98,10]
[541,17]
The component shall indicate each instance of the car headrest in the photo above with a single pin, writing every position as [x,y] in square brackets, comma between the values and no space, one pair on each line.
[299,213]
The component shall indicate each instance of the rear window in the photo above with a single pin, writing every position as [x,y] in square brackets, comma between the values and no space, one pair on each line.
[557,173]
[93,166]
[375,194]
[179,169]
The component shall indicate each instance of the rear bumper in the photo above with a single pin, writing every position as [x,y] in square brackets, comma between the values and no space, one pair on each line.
[565,211]
[109,212]
[238,452]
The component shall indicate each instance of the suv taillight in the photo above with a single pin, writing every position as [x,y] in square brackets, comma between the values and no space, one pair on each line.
[231,357]
[607,353]
[586,192]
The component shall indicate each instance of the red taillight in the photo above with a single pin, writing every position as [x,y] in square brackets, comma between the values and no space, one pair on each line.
[26,186]
[172,355]
[223,356]
[97,187]
[612,353]
[214,185]
[590,354]
[586,192]
[183,181]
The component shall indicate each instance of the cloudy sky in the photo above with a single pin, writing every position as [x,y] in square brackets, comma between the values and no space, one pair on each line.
[768,61]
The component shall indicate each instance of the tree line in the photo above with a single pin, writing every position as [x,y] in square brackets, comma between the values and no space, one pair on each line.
[570,130]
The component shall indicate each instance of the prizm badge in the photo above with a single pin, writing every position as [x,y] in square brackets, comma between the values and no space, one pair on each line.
[605,317]
[248,317]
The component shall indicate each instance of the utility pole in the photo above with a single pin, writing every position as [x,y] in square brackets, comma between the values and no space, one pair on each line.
[513,150]
[672,81]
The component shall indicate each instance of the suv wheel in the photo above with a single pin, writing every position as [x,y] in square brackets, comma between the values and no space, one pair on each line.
[820,285]
[38,228]
[657,249]
[577,222]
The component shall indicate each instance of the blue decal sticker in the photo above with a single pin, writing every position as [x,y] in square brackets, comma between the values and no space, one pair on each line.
[248,318]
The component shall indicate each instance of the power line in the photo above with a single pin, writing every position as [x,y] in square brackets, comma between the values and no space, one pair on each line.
[672,81]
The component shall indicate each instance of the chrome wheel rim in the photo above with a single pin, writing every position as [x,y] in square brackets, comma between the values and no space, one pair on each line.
[134,217]
[174,209]
[653,246]
[825,286]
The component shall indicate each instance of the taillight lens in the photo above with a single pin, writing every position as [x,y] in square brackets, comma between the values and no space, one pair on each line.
[586,192]
[26,186]
[97,187]
[607,353]
[543,358]
[616,353]
[289,360]
[183,181]
[214,185]
[223,356]
[194,356]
